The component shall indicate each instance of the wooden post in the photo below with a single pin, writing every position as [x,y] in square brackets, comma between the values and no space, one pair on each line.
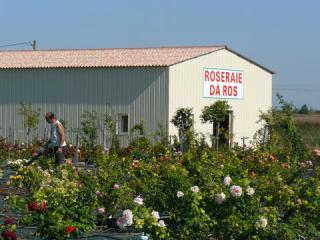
[76,154]
[13,137]
[243,143]
[44,134]
[264,141]
[9,136]
[28,132]
[181,139]
[213,143]
[103,139]
[218,133]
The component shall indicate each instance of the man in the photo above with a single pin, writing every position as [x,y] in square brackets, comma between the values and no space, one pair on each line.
[57,138]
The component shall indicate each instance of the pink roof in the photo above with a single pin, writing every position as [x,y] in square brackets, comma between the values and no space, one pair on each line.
[110,57]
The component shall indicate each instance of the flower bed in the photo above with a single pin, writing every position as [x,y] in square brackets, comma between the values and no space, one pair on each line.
[196,195]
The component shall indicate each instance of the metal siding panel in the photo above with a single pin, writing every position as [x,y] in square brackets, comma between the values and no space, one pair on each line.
[185,90]
[68,92]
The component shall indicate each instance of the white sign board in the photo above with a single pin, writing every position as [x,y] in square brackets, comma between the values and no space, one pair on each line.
[222,83]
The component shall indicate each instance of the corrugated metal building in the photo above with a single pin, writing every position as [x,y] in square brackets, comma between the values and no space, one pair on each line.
[133,84]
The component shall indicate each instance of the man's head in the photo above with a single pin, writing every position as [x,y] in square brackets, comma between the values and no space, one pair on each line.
[50,117]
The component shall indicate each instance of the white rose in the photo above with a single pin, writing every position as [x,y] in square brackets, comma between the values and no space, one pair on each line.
[220,197]
[126,219]
[138,200]
[250,191]
[161,223]
[195,189]
[155,214]
[227,180]
[128,215]
[180,194]
[262,222]
[236,191]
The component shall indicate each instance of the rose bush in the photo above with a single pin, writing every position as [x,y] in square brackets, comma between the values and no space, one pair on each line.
[200,194]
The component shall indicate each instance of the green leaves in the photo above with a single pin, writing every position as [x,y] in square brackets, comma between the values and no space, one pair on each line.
[183,119]
[283,201]
[31,117]
[216,112]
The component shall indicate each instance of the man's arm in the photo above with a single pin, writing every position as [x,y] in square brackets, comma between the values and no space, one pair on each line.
[62,136]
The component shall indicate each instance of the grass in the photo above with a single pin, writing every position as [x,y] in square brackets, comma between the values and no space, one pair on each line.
[309,128]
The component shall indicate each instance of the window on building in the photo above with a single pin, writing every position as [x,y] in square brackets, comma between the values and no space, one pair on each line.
[123,123]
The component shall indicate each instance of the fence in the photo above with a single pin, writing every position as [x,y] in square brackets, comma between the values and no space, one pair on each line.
[104,138]
[73,136]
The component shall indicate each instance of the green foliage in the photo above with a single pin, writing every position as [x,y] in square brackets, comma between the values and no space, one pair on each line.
[88,132]
[310,133]
[67,194]
[285,194]
[183,119]
[89,124]
[304,109]
[282,134]
[111,128]
[30,116]
[161,135]
[139,128]
[267,192]
[215,113]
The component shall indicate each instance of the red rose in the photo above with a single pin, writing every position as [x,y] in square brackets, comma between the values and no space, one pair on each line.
[70,229]
[42,207]
[33,206]
[9,221]
[8,235]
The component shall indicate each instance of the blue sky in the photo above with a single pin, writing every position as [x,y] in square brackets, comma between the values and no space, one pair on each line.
[282,35]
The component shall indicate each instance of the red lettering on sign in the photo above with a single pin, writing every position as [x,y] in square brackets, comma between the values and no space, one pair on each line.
[214,90]
[218,76]
[240,77]
[229,91]
[235,91]
[223,83]
[224,92]
[206,75]
[218,90]
[232,77]
[211,89]
[222,76]
[212,76]
[227,76]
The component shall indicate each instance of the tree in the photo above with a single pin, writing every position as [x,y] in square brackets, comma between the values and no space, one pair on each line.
[280,133]
[183,120]
[215,114]
[89,125]
[30,117]
[111,128]
[304,109]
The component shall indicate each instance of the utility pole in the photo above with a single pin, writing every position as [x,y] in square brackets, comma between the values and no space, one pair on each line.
[34,45]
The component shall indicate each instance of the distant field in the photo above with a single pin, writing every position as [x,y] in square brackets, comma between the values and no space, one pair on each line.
[309,128]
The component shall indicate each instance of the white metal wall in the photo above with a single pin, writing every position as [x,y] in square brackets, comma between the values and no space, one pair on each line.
[186,90]
[142,93]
